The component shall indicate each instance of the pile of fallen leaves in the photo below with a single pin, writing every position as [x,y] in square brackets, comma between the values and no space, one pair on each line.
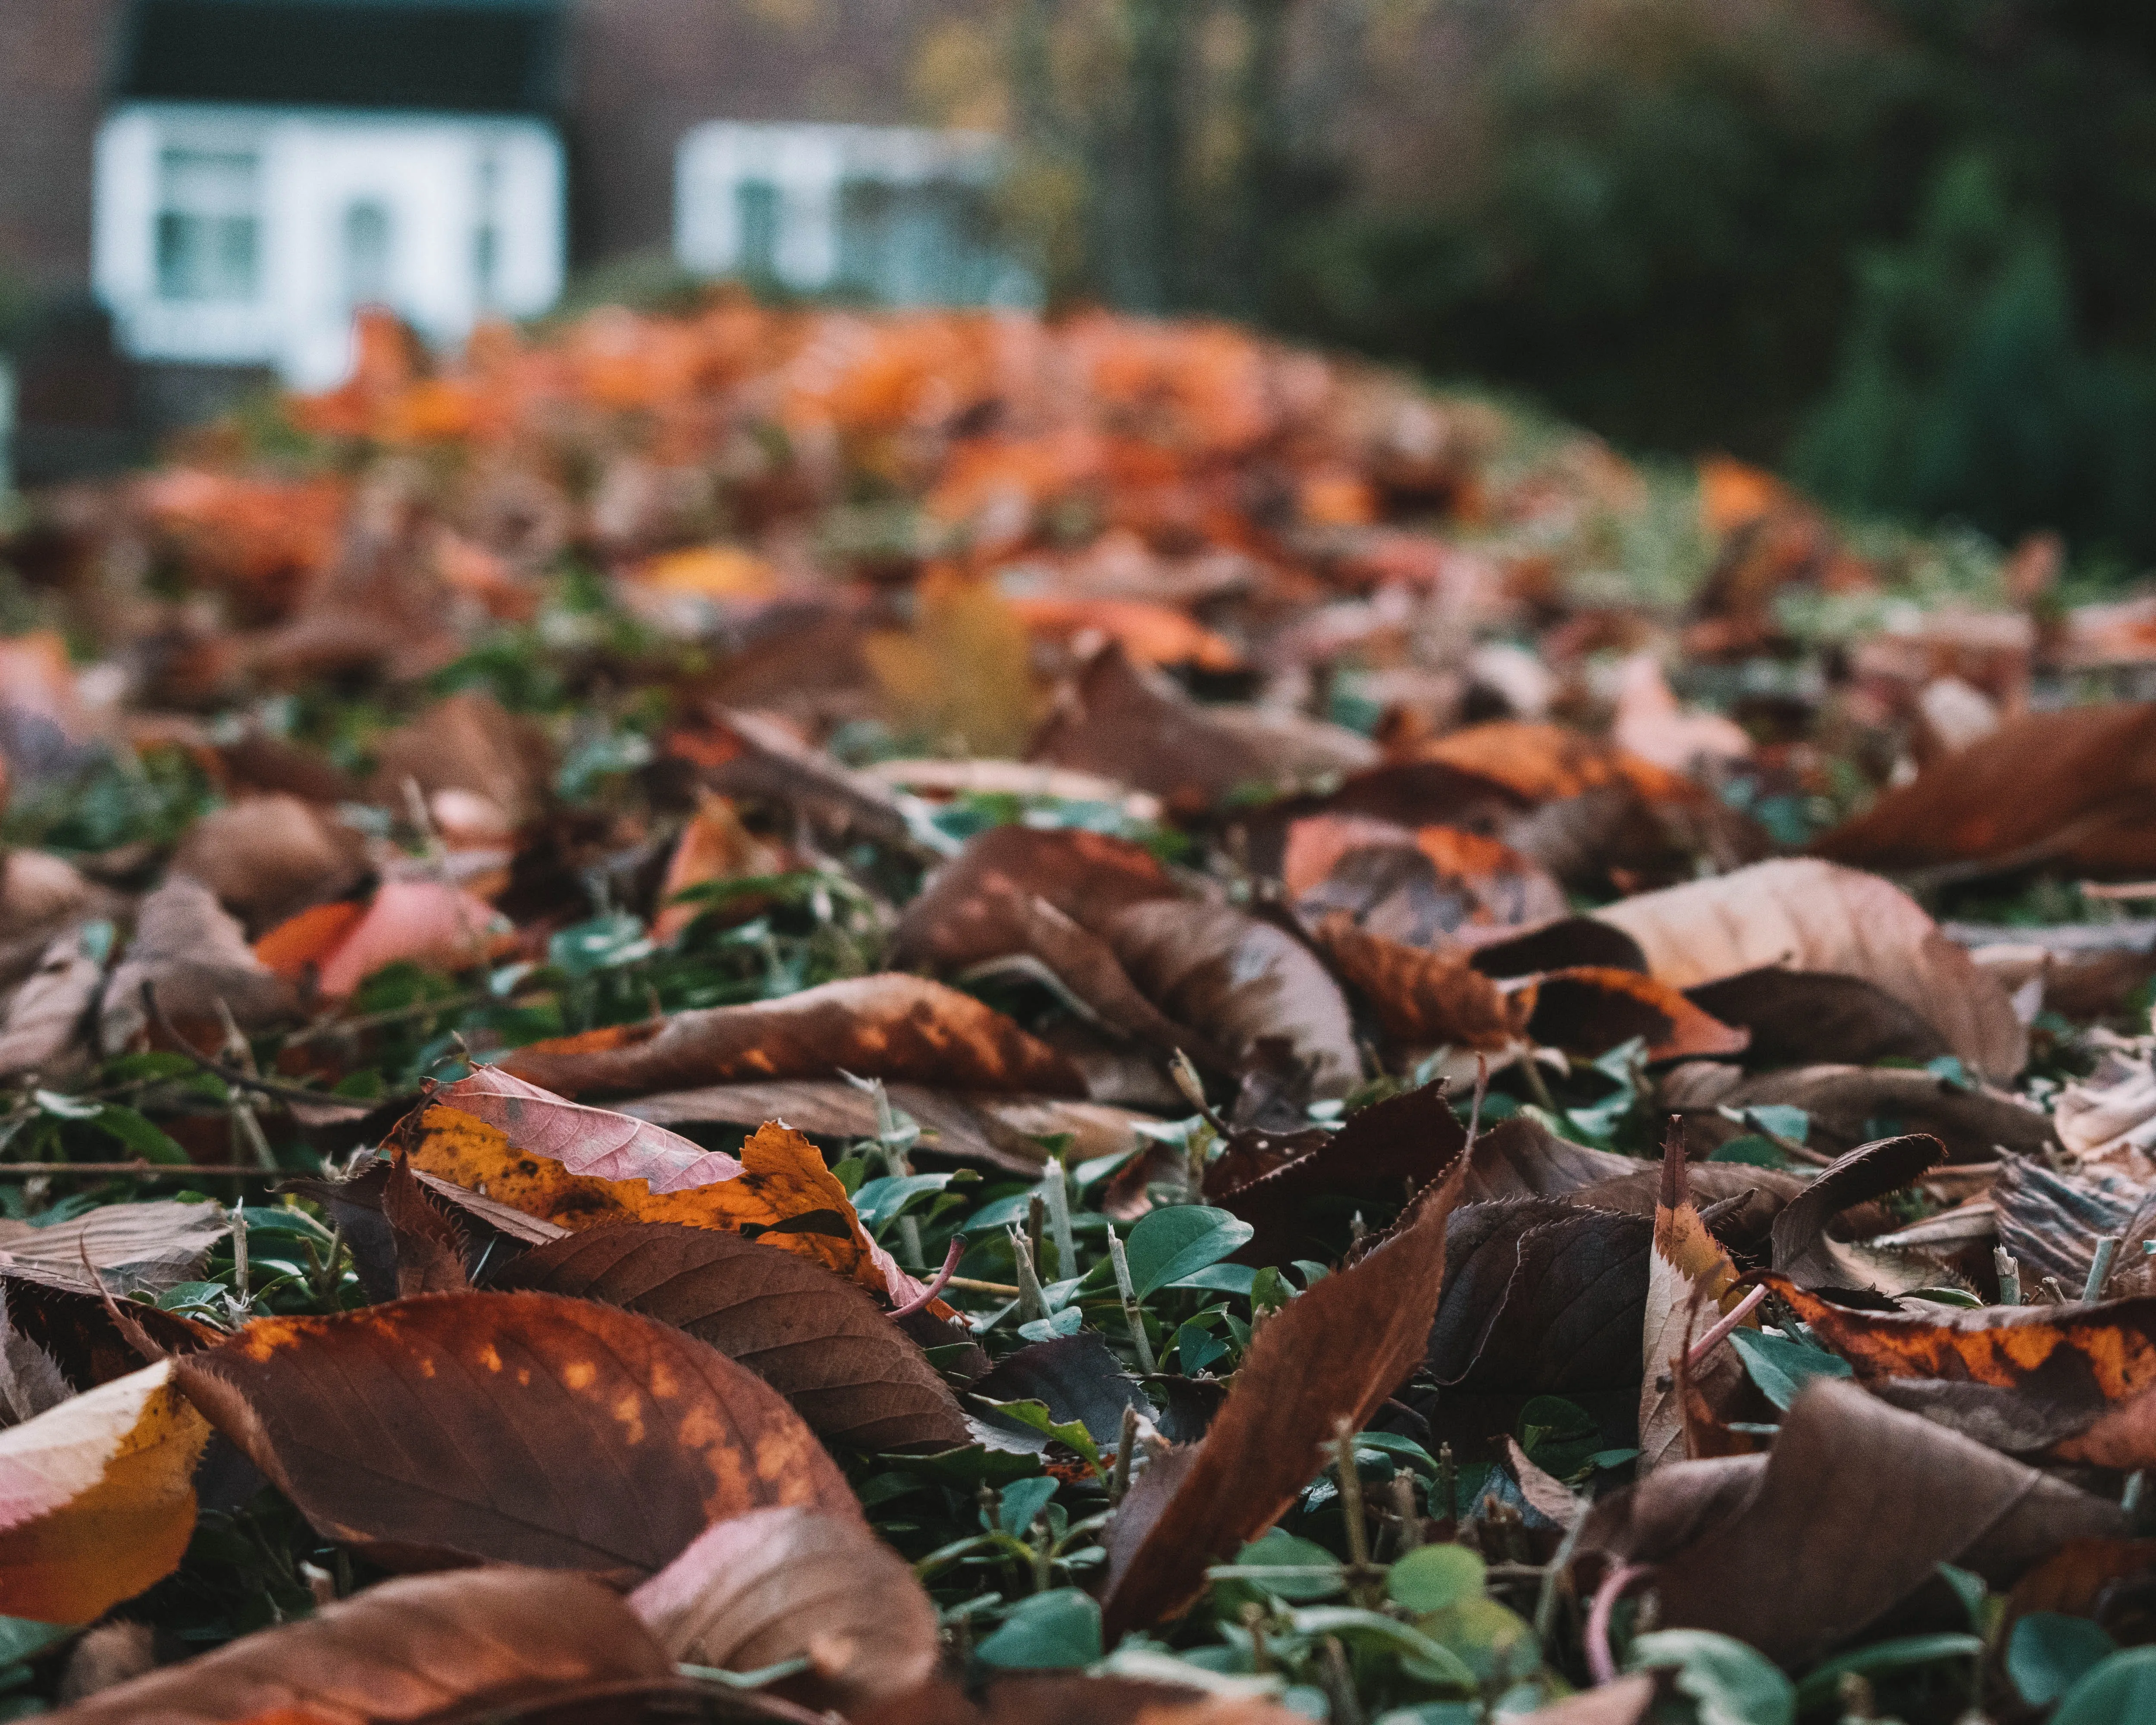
[935,1019]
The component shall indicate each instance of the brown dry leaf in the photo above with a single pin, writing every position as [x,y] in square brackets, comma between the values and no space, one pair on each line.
[820,1341]
[714,847]
[1426,999]
[512,1428]
[977,905]
[141,1248]
[1816,917]
[47,1026]
[2069,787]
[1520,1158]
[1412,885]
[781,1185]
[1590,1010]
[97,1497]
[430,1250]
[1127,724]
[961,676]
[1975,1124]
[1625,1702]
[1651,723]
[1798,1018]
[1802,1249]
[1688,1274]
[1381,1154]
[1241,981]
[472,1644]
[1334,1354]
[41,897]
[416,921]
[778,1584]
[1548,763]
[269,857]
[1848,1516]
[2084,1377]
[2108,1119]
[890,1026]
[194,955]
[482,772]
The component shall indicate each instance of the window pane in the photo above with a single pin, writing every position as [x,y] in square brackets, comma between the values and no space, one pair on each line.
[208,232]
[756,207]
[367,254]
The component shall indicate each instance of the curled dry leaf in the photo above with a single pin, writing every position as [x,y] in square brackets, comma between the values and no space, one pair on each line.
[1848,1515]
[1976,1124]
[1242,979]
[469,1644]
[97,1497]
[1688,1273]
[2069,787]
[714,847]
[1590,1010]
[1520,1158]
[1800,1017]
[429,1247]
[133,1248]
[1411,884]
[818,1341]
[481,770]
[890,1026]
[781,1187]
[1065,1699]
[1334,1354]
[1383,1152]
[1425,999]
[778,1584]
[1801,1248]
[2089,1371]
[194,955]
[514,1427]
[48,1018]
[269,857]
[1125,724]
[1813,915]
[976,907]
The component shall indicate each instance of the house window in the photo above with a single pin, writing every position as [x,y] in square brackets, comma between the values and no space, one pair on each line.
[486,238]
[756,209]
[864,211]
[367,253]
[208,225]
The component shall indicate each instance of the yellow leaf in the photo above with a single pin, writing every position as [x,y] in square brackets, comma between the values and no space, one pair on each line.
[961,675]
[97,1497]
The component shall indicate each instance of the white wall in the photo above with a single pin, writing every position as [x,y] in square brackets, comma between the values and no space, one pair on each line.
[809,165]
[427,173]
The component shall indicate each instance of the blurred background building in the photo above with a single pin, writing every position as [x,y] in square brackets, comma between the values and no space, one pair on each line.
[1900,249]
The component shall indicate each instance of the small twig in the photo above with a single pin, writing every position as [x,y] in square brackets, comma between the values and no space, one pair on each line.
[921,1300]
[2107,1250]
[1032,1303]
[1056,1190]
[2010,1275]
[1601,1663]
[146,1170]
[1185,1078]
[1359,1569]
[1119,1480]
[1141,1343]
[1475,1113]
[1727,1321]
[973,1285]
[233,1074]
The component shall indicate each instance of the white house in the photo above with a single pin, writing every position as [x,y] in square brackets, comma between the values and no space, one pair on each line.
[251,192]
[896,214]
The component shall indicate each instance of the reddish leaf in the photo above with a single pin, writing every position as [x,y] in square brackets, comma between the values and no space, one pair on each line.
[778,1584]
[890,1026]
[522,1428]
[475,1644]
[1334,1354]
[1591,1011]
[816,1340]
[1426,999]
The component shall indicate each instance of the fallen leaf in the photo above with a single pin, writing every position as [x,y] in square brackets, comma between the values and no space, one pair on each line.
[1242,979]
[1798,1018]
[977,905]
[816,1340]
[962,675]
[140,1247]
[1625,1700]
[1802,1249]
[1065,1699]
[1816,917]
[410,921]
[1590,1011]
[1382,1155]
[97,1497]
[780,1186]
[1412,884]
[1334,1354]
[429,1247]
[1848,1516]
[590,1141]
[1425,999]
[1651,723]
[714,847]
[1075,1377]
[481,772]
[2067,788]
[268,858]
[2108,1120]
[1520,1158]
[1975,1123]
[46,1029]
[194,955]
[778,1584]
[892,1027]
[470,1644]
[522,1428]
[1123,723]
[1688,1274]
